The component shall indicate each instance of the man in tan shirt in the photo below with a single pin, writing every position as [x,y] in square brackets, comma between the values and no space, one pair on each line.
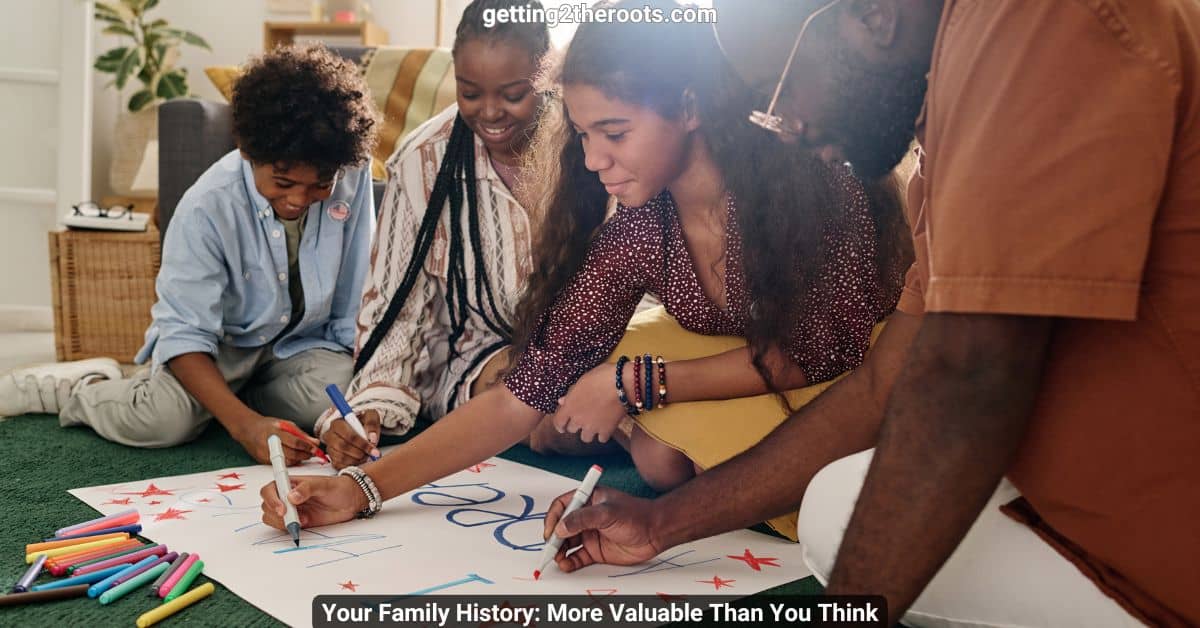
[1049,335]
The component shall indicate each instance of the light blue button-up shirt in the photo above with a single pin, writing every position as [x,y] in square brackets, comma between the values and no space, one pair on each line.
[224,274]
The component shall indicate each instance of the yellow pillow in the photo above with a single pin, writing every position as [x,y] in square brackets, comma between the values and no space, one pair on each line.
[223,78]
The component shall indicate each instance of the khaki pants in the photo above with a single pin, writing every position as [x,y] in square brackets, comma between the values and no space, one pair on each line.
[154,410]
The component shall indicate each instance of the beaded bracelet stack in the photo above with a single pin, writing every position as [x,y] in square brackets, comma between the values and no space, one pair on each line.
[643,383]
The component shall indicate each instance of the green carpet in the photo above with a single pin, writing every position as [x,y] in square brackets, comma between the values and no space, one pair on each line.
[41,461]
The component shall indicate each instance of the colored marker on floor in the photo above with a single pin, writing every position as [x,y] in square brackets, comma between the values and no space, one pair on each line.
[15,599]
[169,583]
[175,564]
[60,565]
[186,581]
[140,580]
[97,589]
[70,549]
[150,550]
[166,610]
[34,548]
[80,528]
[131,529]
[31,574]
[90,578]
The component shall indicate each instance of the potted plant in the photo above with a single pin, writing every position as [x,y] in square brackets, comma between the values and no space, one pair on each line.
[149,55]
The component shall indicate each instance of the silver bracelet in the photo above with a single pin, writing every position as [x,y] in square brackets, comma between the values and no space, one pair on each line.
[364,481]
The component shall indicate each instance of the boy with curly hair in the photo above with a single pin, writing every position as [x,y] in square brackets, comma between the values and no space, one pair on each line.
[262,270]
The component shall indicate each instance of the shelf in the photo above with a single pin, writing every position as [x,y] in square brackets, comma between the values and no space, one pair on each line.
[284,33]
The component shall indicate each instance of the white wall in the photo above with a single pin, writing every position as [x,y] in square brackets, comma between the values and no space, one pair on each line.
[234,29]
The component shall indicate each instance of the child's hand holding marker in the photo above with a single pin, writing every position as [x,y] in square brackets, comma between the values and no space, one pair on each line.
[351,441]
[297,446]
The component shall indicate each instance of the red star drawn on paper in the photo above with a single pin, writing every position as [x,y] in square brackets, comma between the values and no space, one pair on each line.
[204,500]
[230,476]
[718,582]
[349,585]
[225,488]
[667,597]
[150,491]
[754,561]
[153,502]
[171,513]
[478,468]
[124,501]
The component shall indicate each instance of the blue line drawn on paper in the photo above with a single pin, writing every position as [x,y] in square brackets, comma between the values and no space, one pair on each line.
[664,564]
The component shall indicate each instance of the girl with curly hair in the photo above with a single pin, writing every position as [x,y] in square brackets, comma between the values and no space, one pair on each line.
[262,268]
[773,270]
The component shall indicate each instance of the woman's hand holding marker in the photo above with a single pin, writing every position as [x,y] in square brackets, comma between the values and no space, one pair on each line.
[351,419]
[319,501]
[346,447]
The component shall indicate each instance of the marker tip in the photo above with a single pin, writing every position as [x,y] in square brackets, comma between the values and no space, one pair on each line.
[537,574]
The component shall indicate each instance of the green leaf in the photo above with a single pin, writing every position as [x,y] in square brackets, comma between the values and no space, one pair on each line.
[111,61]
[118,29]
[106,11]
[150,4]
[122,9]
[172,85]
[194,39]
[128,65]
[140,100]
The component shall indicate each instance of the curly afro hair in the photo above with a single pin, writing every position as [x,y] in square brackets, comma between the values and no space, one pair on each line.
[304,105]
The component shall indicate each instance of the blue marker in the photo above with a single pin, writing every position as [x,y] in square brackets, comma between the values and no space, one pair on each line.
[87,578]
[95,590]
[343,408]
[131,529]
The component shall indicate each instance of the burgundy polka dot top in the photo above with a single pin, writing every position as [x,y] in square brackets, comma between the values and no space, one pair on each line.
[642,250]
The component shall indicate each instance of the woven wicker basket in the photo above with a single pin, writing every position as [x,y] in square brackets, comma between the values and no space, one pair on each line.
[103,287]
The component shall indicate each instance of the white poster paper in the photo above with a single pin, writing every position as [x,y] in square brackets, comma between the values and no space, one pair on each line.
[477,532]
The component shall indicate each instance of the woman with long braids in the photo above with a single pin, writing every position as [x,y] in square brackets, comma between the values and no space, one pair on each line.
[773,269]
[452,249]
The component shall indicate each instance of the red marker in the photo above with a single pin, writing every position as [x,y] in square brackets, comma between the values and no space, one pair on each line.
[291,428]
[581,496]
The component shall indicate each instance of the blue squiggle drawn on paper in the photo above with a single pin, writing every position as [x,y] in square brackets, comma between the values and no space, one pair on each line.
[505,520]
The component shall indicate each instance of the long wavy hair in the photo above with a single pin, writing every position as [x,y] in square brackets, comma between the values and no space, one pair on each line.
[786,199]
[454,186]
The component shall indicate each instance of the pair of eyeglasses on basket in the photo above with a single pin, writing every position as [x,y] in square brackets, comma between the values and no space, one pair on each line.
[92,209]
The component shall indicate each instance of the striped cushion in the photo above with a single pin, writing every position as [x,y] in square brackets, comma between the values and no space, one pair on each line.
[409,85]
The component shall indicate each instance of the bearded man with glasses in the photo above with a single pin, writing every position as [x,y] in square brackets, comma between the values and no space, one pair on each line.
[1020,446]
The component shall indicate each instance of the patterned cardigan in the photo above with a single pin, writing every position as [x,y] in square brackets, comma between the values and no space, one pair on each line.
[411,370]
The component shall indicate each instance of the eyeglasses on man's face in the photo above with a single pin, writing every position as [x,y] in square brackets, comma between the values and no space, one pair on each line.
[787,129]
